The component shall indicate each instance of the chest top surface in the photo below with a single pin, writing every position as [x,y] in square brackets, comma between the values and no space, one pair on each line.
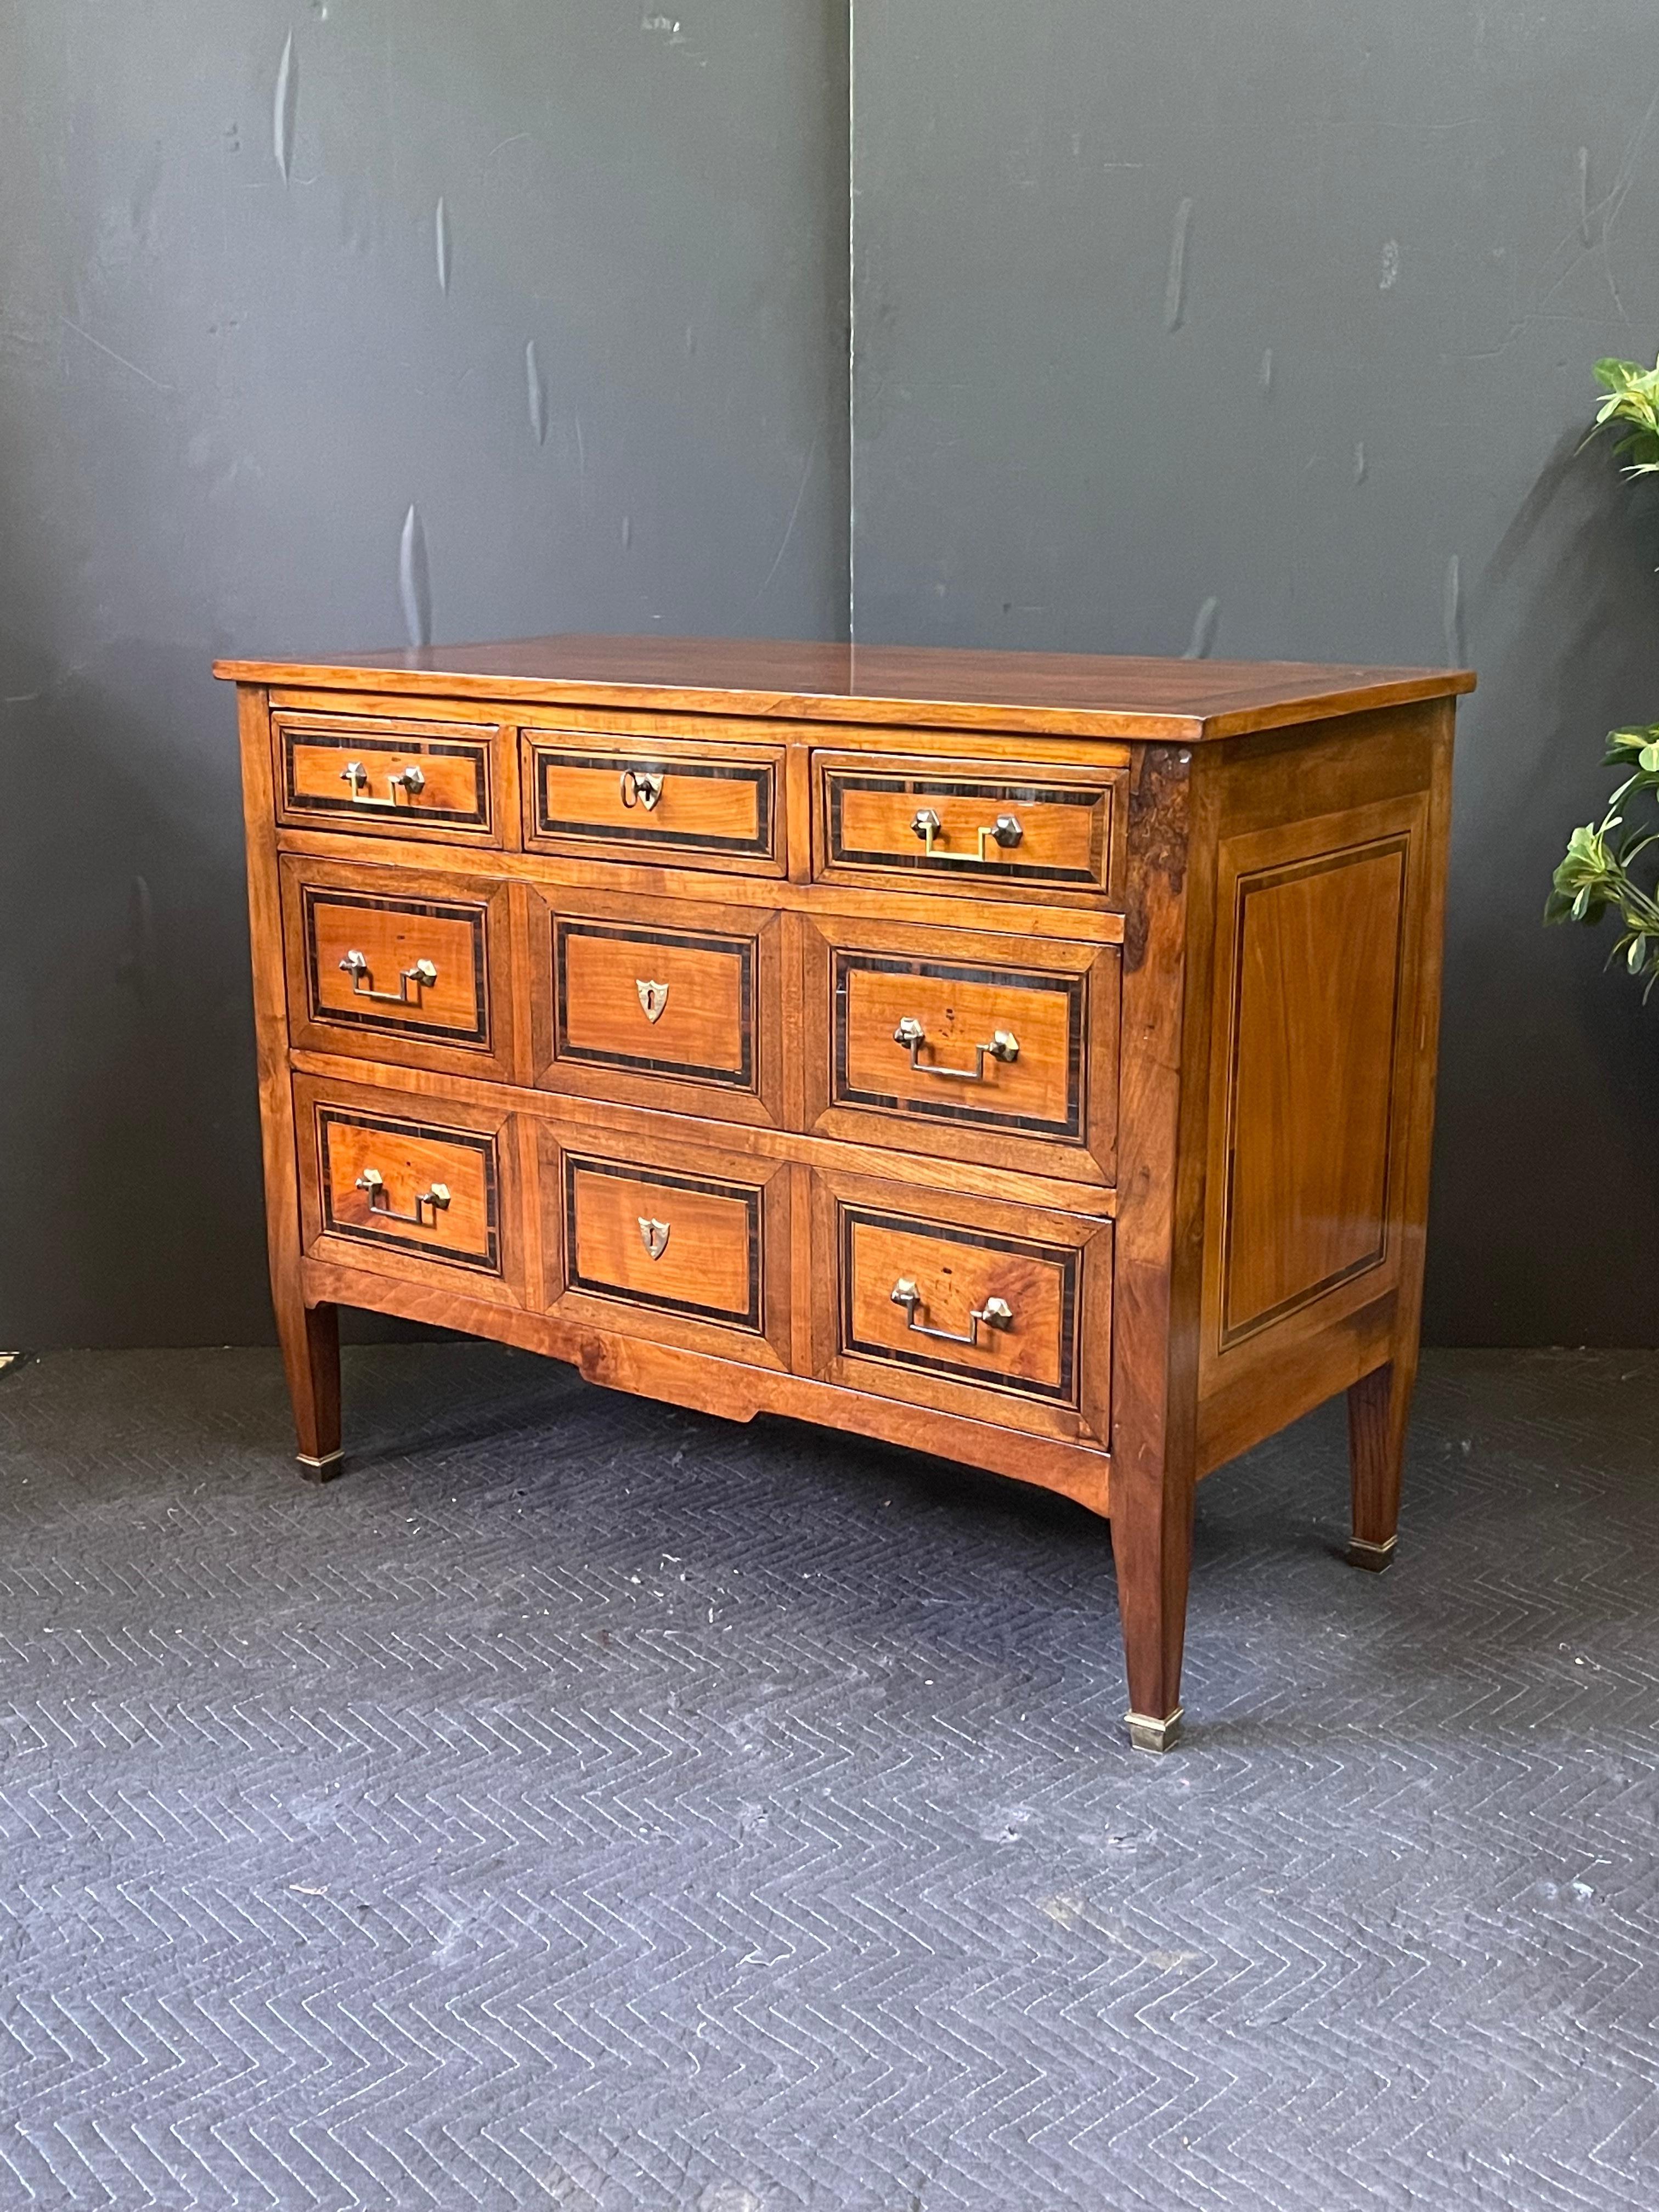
[1061,695]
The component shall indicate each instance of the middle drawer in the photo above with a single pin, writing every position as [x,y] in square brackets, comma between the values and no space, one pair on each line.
[672,1002]
[401,964]
[669,1003]
[964,1044]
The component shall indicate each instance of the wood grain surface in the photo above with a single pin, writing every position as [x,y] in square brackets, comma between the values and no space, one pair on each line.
[1079,693]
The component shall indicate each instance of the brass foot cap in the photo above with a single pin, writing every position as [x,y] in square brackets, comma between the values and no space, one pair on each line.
[1148,1734]
[1362,1553]
[320,1470]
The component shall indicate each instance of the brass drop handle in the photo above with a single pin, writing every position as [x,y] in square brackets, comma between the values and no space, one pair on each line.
[1006,831]
[639,788]
[423,975]
[373,1183]
[1004,1046]
[411,780]
[995,1313]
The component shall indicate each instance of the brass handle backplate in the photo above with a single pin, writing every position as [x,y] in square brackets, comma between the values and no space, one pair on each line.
[995,1313]
[423,975]
[926,826]
[411,780]
[1004,1046]
[437,1197]
[640,788]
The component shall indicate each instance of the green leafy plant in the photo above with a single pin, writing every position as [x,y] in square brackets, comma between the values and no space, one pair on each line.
[1634,398]
[1597,873]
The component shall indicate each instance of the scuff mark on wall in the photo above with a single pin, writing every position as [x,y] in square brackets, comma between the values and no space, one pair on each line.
[440,240]
[1268,374]
[1390,276]
[137,966]
[283,107]
[627,532]
[1203,637]
[1359,463]
[536,393]
[1175,290]
[414,580]
[789,527]
[99,345]
[1451,609]
[1583,195]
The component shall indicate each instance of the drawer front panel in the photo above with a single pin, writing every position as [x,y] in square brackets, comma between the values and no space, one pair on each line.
[414,1188]
[951,1301]
[678,1244]
[674,805]
[1009,833]
[397,968]
[407,965]
[964,1044]
[975,1306]
[655,1001]
[978,1047]
[380,780]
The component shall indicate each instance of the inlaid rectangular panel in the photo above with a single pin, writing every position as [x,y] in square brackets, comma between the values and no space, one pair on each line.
[679,1243]
[965,1302]
[668,801]
[425,1188]
[657,1002]
[386,778]
[1000,834]
[1314,1028]
[1315,926]
[411,1186]
[650,1229]
[972,1045]
[951,1302]
[395,964]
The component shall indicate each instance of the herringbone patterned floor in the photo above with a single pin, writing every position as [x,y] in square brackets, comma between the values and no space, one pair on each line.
[591,1805]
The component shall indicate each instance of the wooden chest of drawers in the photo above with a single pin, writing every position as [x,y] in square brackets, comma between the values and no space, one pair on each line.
[1027,1060]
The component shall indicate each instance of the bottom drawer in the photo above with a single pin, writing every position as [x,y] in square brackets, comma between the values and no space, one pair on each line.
[676,1242]
[662,1239]
[1002,1312]
[412,1185]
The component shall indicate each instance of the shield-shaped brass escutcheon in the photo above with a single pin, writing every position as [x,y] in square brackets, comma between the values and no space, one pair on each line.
[655,1234]
[654,996]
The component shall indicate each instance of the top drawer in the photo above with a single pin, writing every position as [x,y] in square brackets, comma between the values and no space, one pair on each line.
[1009,831]
[390,779]
[657,799]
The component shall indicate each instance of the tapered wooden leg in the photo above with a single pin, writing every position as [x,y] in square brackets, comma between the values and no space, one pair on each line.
[1378,1407]
[310,1353]
[1153,1547]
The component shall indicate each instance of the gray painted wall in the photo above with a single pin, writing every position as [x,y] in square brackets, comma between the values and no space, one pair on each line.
[1257,328]
[1264,327]
[222,389]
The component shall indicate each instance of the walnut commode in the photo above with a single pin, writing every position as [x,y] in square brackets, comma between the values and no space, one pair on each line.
[1025,1059]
